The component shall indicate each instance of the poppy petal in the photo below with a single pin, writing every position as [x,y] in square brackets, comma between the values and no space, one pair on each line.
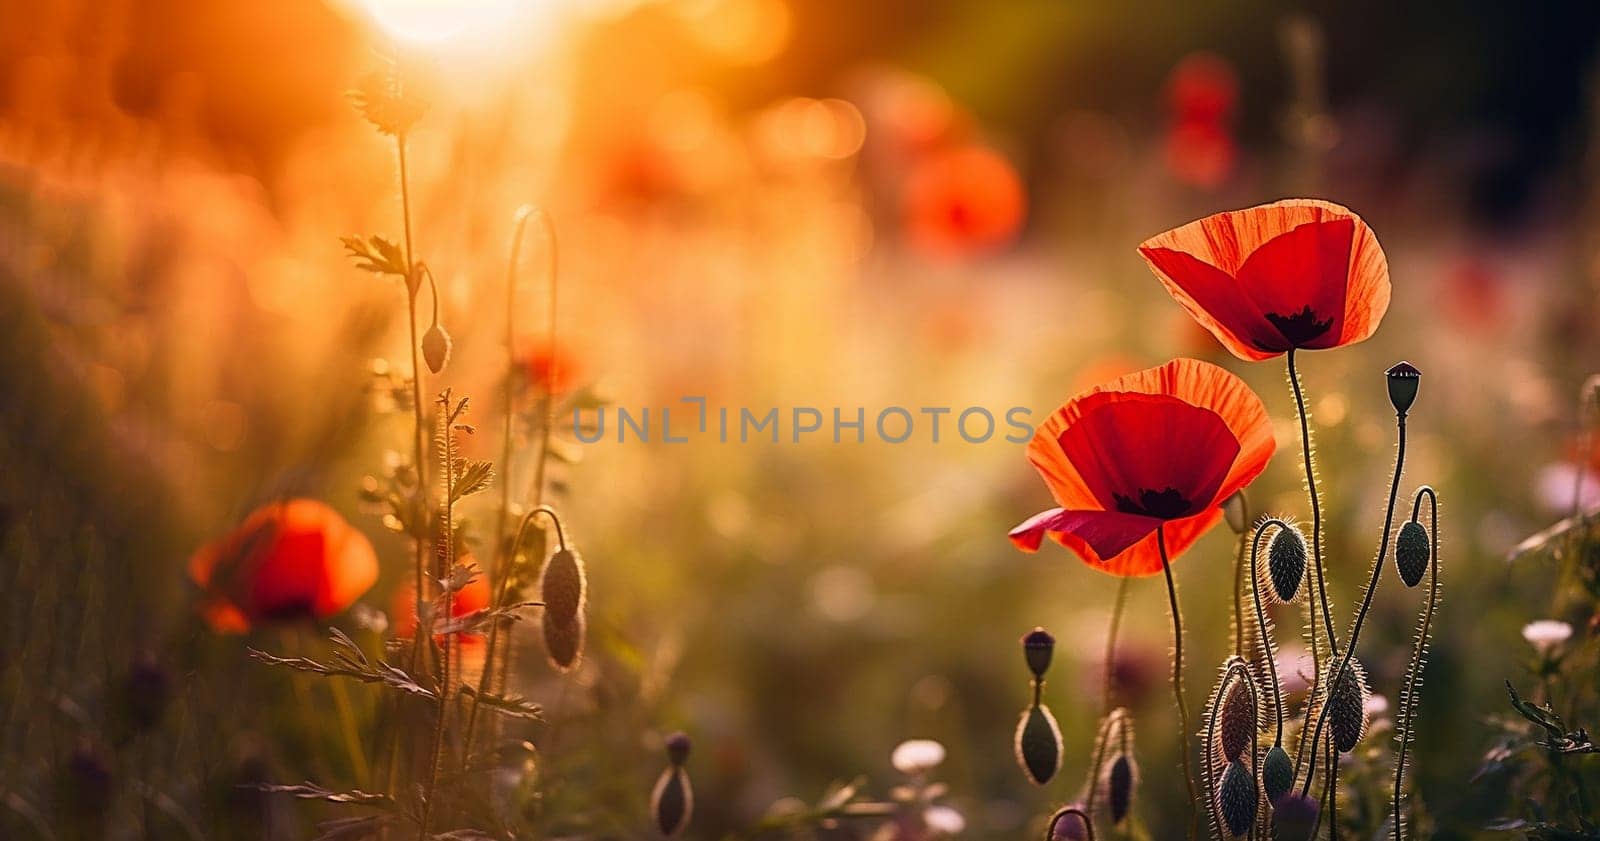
[1143,558]
[1106,532]
[1213,298]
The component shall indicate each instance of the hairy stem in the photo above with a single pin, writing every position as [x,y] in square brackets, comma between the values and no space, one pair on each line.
[1366,598]
[1261,623]
[1107,697]
[1177,674]
[1405,720]
[1316,506]
[447,559]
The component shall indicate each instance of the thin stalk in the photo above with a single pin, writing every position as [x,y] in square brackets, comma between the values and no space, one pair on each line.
[1107,698]
[1300,752]
[1236,670]
[1366,598]
[447,556]
[420,448]
[350,732]
[1177,673]
[1088,825]
[1238,598]
[1405,720]
[1316,506]
[1102,743]
[1261,623]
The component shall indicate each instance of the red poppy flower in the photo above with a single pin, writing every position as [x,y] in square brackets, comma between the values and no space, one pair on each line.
[1202,89]
[289,560]
[551,367]
[1293,274]
[1157,449]
[963,201]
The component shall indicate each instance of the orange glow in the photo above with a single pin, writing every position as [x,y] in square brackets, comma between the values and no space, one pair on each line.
[438,20]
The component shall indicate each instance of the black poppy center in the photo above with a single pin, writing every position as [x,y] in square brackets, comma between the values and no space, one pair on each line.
[296,608]
[1301,327]
[1168,504]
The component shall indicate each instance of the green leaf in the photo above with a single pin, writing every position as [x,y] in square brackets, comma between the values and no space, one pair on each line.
[473,475]
[376,255]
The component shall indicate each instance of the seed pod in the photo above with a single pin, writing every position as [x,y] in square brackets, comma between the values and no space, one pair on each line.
[563,642]
[1286,563]
[1237,720]
[1236,799]
[1347,708]
[1411,552]
[1294,816]
[436,347]
[1403,381]
[1037,647]
[672,801]
[1038,744]
[1233,511]
[1120,781]
[1277,773]
[563,586]
[678,748]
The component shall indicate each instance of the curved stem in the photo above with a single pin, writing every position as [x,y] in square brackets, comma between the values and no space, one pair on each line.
[1101,745]
[509,396]
[1408,694]
[1261,623]
[1064,811]
[1316,506]
[1300,752]
[1366,598]
[1177,672]
[1107,698]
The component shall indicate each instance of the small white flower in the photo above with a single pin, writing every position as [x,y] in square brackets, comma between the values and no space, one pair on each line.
[917,756]
[1546,634]
[943,820]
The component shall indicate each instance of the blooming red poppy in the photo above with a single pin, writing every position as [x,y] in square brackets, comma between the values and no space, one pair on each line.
[1292,274]
[1157,449]
[963,201]
[289,560]
[551,367]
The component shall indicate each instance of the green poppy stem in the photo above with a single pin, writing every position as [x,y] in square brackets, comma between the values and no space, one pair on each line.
[1177,674]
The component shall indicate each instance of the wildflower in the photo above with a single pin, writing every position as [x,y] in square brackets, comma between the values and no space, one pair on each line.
[289,560]
[1546,635]
[672,800]
[552,368]
[1160,448]
[963,202]
[943,820]
[1293,274]
[1202,95]
[917,756]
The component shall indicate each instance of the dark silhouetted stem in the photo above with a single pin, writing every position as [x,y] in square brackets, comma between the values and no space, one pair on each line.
[1261,622]
[1107,697]
[1316,505]
[1366,598]
[1177,673]
[1405,721]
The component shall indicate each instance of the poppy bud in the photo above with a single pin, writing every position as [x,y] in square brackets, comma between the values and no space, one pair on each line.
[678,748]
[1038,744]
[1236,799]
[1347,708]
[1120,780]
[1237,720]
[563,641]
[1286,563]
[672,801]
[1233,510]
[563,586]
[1037,647]
[1403,381]
[146,690]
[1070,827]
[1411,552]
[1294,816]
[1277,773]
[436,347]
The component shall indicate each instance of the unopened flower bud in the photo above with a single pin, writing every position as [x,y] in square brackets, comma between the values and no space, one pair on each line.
[1038,744]
[1347,708]
[1404,378]
[1235,512]
[678,748]
[1277,773]
[1037,648]
[563,586]
[436,347]
[1286,563]
[1237,720]
[1294,816]
[1236,799]
[1411,552]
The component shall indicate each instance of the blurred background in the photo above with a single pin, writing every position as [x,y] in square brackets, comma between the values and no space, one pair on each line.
[765,203]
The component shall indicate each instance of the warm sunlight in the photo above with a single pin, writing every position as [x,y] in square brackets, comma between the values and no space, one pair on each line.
[440,20]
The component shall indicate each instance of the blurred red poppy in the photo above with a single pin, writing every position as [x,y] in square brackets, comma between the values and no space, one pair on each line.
[1200,154]
[962,202]
[290,560]
[1202,89]
[551,367]
[471,598]
[1299,273]
[1157,449]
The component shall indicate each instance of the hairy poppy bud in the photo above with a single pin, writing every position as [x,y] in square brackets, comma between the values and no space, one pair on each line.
[1277,773]
[1037,647]
[563,586]
[1233,510]
[1120,780]
[678,748]
[1411,552]
[1347,708]
[1286,563]
[1237,720]
[436,347]
[1069,827]
[1236,799]
[1403,381]
[672,801]
[1038,744]
[1294,816]
[563,641]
